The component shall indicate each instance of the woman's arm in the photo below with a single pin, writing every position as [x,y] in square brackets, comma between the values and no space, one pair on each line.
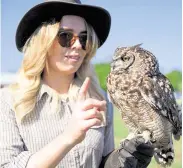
[14,155]
[12,149]
[51,154]
[84,117]
[13,152]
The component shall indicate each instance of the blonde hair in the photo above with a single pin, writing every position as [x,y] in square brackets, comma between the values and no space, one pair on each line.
[29,77]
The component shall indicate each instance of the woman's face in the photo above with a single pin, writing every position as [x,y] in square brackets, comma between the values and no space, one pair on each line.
[67,60]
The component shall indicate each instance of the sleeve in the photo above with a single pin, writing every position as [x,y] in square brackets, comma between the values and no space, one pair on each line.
[109,132]
[12,152]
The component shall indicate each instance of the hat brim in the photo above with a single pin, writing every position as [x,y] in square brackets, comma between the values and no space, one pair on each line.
[98,17]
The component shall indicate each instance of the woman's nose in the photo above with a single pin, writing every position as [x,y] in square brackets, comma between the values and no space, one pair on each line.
[76,44]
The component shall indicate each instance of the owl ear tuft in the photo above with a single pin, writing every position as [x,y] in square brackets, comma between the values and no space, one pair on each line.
[135,47]
[117,48]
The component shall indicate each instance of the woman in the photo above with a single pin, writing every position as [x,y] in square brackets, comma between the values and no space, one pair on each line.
[56,114]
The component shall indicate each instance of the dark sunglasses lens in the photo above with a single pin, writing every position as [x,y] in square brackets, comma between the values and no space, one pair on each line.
[65,39]
[83,39]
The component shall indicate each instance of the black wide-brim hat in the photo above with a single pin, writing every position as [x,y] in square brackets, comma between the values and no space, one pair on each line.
[98,17]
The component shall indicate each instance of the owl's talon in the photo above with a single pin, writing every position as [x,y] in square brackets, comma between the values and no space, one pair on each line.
[146,135]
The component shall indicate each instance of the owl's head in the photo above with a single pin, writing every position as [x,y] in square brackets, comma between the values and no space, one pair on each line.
[134,58]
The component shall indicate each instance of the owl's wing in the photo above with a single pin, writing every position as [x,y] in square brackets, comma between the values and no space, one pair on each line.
[158,92]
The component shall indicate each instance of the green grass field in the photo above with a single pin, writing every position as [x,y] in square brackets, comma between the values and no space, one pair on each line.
[120,132]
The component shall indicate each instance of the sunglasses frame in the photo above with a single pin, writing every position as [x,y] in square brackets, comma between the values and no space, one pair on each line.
[69,41]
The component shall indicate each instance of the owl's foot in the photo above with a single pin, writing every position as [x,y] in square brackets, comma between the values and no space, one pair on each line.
[146,135]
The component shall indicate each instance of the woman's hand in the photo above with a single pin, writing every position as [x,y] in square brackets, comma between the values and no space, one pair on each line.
[87,113]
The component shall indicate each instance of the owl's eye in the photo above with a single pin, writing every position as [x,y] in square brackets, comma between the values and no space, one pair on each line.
[125,58]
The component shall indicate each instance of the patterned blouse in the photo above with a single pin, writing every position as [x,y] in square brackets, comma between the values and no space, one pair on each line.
[18,141]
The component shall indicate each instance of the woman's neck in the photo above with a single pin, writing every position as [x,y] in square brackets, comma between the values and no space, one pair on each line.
[58,82]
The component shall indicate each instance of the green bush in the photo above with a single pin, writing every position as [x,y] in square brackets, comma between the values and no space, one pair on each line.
[175,78]
[102,71]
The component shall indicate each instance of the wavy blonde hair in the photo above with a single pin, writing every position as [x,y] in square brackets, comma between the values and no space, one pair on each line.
[35,53]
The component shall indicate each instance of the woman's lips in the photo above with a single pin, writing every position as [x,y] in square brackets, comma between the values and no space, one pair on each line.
[73,58]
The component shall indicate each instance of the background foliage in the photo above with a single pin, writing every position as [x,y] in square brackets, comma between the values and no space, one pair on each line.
[175,78]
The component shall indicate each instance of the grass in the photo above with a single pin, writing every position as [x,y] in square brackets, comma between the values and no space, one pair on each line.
[102,71]
[120,132]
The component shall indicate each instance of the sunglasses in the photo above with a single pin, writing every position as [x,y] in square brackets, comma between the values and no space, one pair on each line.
[67,38]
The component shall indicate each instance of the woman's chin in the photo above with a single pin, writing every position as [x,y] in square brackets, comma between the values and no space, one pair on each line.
[70,69]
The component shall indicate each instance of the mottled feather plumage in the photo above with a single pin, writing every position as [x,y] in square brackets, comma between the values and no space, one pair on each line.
[145,99]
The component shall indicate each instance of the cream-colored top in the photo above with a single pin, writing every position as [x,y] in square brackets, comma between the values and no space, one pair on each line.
[19,141]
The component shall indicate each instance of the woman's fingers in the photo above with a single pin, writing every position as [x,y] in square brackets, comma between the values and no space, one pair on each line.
[91,103]
[92,113]
[84,89]
[87,124]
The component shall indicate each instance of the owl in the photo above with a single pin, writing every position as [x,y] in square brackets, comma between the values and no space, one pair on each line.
[145,99]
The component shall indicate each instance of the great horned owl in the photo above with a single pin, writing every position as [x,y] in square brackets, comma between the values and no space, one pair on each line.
[145,99]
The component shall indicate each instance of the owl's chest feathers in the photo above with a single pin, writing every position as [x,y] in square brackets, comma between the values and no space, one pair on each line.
[125,83]
[124,90]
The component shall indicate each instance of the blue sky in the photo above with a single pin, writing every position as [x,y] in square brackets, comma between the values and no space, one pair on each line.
[156,24]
